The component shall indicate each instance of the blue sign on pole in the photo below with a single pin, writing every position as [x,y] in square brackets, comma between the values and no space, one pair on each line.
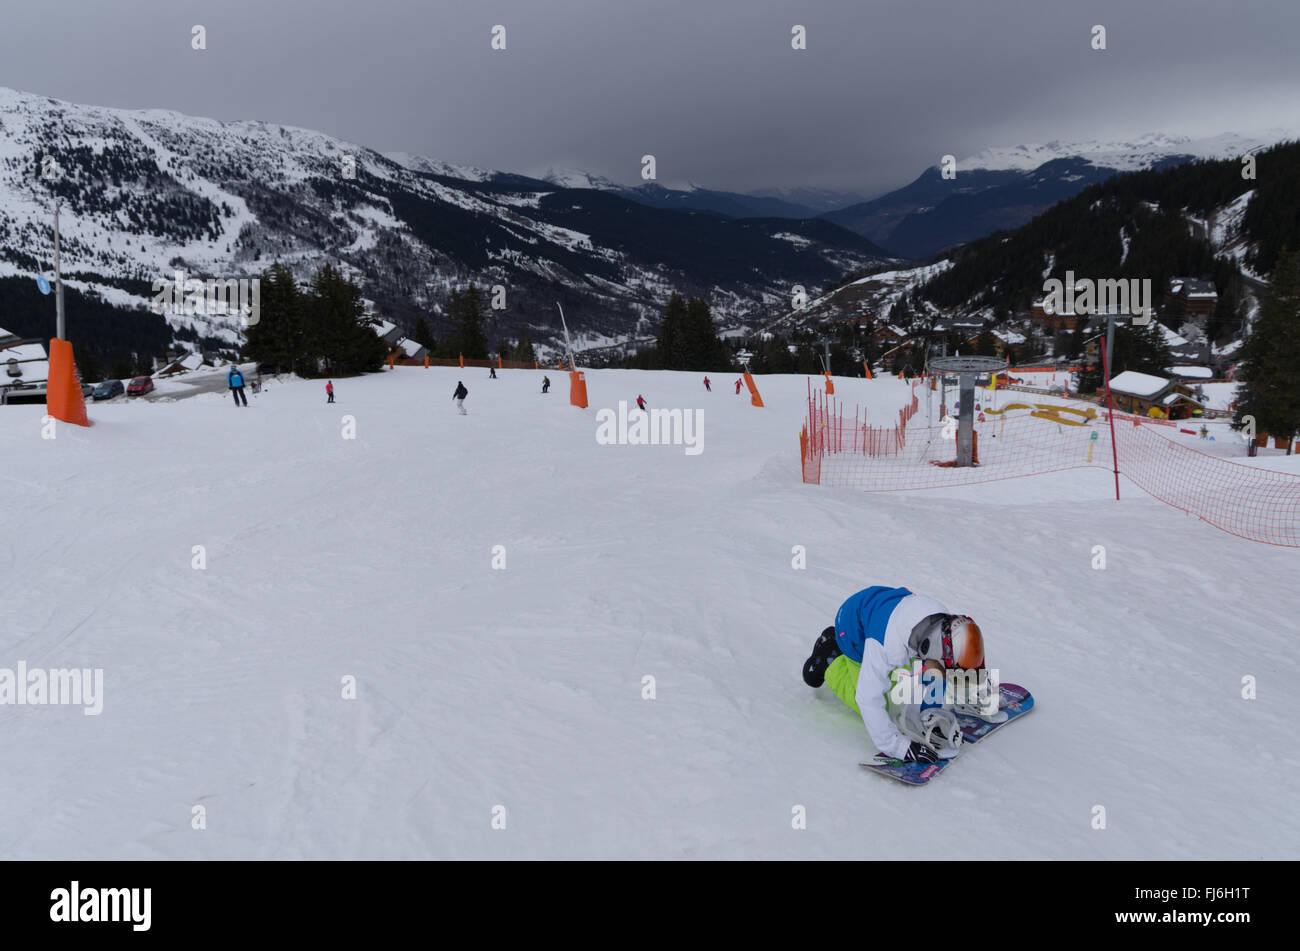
[42,283]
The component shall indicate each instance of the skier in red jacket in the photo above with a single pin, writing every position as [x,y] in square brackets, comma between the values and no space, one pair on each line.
[706,385]
[329,391]
[640,402]
[738,382]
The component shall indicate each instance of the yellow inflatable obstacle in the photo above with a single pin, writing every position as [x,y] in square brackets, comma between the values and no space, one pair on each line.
[1050,412]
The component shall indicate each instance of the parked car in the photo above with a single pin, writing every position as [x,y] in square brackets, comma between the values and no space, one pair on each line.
[108,389]
[87,389]
[140,386]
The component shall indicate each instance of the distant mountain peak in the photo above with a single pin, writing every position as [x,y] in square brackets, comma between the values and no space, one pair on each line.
[1141,152]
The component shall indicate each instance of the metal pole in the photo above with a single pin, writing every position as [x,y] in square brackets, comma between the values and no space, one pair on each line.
[965,419]
[1114,453]
[1110,342]
[573,367]
[58,279]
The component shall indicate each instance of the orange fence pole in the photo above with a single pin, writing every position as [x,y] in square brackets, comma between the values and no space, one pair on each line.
[63,399]
[577,389]
[754,398]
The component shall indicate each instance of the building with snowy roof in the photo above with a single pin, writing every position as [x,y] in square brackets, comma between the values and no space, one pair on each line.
[24,364]
[1145,395]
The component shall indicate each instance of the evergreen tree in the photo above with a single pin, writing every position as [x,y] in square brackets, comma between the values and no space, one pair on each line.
[672,349]
[1226,319]
[422,334]
[465,312]
[345,336]
[524,350]
[1271,356]
[279,340]
[705,351]
[88,365]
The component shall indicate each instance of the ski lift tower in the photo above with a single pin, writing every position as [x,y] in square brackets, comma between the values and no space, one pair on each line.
[967,369]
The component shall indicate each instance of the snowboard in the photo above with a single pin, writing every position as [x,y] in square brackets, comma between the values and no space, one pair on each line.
[1013,700]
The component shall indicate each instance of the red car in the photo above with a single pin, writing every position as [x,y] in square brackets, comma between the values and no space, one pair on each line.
[140,386]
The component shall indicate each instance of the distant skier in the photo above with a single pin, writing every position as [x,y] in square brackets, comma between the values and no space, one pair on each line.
[706,385]
[546,384]
[738,382]
[235,380]
[640,402]
[459,397]
[329,391]
[1204,432]
[878,633]
[492,373]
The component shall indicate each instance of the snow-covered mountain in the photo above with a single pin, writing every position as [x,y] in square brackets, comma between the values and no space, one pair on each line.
[1001,188]
[1146,151]
[147,193]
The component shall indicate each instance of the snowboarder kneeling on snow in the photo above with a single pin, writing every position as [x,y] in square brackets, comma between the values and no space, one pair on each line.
[459,397]
[882,636]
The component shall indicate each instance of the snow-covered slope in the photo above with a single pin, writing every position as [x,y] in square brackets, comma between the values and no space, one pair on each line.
[521,686]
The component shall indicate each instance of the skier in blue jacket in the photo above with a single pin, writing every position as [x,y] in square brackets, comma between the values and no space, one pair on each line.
[878,632]
[235,380]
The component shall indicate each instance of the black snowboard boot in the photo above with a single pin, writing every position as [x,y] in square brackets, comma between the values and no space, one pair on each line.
[824,651]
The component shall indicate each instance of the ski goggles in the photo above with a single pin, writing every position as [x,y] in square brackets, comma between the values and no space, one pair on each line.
[971,656]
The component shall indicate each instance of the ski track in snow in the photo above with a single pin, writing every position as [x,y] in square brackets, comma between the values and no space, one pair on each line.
[371,558]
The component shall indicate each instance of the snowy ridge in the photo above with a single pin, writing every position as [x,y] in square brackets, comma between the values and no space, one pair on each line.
[149,192]
[1143,152]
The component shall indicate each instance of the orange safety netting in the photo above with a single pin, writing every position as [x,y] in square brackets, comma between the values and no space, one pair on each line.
[1253,503]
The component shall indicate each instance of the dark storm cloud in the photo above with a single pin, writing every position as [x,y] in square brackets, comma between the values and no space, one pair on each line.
[712,89]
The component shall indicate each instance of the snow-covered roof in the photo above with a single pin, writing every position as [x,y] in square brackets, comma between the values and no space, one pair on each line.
[1191,373]
[1176,396]
[384,328]
[1009,336]
[23,372]
[1138,384]
[409,346]
[1171,338]
[1195,288]
[191,361]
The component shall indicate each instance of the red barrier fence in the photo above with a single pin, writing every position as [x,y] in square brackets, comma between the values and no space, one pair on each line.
[1253,503]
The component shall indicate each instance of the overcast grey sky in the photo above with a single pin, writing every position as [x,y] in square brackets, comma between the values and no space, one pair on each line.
[712,88]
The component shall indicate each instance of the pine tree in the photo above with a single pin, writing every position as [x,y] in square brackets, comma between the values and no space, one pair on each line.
[672,349]
[279,340]
[1271,357]
[422,334]
[524,350]
[346,338]
[466,314]
[704,349]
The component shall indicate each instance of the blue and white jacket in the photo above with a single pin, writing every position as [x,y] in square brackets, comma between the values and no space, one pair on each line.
[874,628]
